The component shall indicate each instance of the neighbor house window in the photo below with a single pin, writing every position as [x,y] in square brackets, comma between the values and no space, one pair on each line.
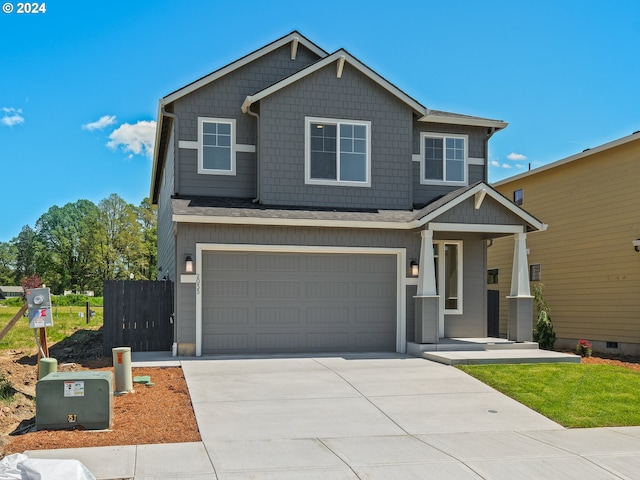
[337,152]
[518,197]
[216,146]
[534,272]
[443,159]
[492,276]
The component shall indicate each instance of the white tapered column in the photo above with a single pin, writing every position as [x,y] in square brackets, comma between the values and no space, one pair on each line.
[520,300]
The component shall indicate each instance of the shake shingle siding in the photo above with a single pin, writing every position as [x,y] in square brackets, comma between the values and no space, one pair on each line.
[352,97]
[222,99]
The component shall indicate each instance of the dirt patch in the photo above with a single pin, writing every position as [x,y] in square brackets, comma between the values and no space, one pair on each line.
[161,413]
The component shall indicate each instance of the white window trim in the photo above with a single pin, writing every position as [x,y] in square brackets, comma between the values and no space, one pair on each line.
[465,168]
[307,152]
[211,171]
[441,269]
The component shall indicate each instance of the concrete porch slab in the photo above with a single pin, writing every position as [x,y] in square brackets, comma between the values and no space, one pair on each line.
[478,357]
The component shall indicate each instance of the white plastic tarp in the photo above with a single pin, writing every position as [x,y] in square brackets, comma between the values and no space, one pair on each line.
[21,467]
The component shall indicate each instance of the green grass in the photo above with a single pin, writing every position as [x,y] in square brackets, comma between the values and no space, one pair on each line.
[65,322]
[573,395]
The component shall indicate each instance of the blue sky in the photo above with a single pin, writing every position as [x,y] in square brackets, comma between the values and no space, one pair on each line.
[80,83]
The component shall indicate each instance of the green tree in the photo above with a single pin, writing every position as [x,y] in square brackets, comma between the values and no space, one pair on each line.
[7,263]
[67,235]
[148,221]
[27,250]
[119,238]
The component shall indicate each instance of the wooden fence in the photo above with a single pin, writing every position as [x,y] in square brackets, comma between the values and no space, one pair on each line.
[138,314]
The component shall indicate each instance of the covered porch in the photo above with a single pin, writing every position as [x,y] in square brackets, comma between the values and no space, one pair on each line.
[451,297]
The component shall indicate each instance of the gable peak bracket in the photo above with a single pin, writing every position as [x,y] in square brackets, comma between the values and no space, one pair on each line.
[294,47]
[341,61]
[479,198]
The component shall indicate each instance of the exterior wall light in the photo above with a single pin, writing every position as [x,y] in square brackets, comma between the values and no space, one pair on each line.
[415,270]
[188,264]
[636,245]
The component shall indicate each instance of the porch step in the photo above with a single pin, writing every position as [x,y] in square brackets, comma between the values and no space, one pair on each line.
[474,357]
[469,344]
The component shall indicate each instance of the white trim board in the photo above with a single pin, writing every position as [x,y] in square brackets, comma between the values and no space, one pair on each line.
[401,277]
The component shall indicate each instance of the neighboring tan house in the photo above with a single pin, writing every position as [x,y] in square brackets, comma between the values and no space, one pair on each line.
[588,260]
[306,204]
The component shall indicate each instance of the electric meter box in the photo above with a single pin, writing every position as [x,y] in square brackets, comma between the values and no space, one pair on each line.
[66,400]
[39,305]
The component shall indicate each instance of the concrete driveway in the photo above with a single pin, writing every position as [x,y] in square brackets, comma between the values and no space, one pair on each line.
[354,416]
[358,417]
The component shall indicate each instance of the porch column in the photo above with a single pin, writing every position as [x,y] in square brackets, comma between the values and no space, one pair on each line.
[427,299]
[520,300]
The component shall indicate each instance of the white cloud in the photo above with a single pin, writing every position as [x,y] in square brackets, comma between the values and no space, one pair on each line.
[137,139]
[505,165]
[516,156]
[11,117]
[495,163]
[100,124]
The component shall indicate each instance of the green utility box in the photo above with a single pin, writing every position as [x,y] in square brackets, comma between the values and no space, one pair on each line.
[74,399]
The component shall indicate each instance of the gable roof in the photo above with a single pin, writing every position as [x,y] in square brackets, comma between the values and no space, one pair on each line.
[165,118]
[245,212]
[340,57]
[578,156]
[221,72]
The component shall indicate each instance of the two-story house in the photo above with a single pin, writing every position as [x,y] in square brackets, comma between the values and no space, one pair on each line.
[307,204]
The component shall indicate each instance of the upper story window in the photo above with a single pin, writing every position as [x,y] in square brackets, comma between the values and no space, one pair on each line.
[216,146]
[443,159]
[518,197]
[337,152]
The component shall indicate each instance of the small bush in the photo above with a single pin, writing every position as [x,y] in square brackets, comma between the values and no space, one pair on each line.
[584,348]
[6,389]
[543,331]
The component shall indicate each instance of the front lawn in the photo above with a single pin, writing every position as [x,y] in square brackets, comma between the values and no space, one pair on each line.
[66,320]
[573,395]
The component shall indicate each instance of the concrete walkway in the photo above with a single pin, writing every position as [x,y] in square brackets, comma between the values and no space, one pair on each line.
[384,416]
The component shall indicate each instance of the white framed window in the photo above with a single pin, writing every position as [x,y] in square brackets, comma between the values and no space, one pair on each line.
[337,152]
[448,265]
[216,146]
[443,159]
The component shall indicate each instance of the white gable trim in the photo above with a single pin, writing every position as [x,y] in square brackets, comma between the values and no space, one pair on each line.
[491,193]
[294,38]
[340,56]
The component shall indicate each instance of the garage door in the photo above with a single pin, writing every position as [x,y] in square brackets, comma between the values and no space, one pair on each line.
[264,302]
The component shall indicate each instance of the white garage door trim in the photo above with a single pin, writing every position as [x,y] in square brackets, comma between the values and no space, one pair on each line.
[401,260]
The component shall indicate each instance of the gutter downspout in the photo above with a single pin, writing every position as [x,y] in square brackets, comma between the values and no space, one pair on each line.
[257,117]
[176,182]
[490,134]
[176,171]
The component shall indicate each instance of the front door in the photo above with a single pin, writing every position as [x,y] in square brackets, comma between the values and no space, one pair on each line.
[448,267]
